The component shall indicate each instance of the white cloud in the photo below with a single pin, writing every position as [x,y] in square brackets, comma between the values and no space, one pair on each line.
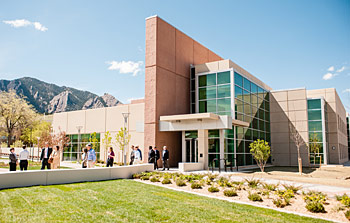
[331,68]
[346,90]
[328,76]
[126,67]
[341,69]
[23,23]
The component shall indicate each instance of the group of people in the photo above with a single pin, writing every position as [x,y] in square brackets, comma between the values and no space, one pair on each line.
[154,156]
[49,158]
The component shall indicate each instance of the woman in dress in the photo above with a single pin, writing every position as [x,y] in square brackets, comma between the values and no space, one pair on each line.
[84,158]
[110,159]
[56,158]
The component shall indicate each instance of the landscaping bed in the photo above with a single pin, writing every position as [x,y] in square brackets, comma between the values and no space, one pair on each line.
[251,190]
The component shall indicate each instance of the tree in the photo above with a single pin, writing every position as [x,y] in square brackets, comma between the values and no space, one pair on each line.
[61,139]
[299,142]
[36,129]
[107,140]
[94,141]
[314,146]
[261,152]
[119,138]
[15,113]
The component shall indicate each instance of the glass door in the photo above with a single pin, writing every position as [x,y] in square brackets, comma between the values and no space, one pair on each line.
[191,150]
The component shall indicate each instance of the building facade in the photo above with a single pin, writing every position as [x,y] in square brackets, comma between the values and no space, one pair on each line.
[208,110]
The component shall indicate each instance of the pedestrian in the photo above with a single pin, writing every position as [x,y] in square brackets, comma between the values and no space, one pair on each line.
[165,157]
[55,158]
[84,157]
[138,149]
[137,155]
[110,157]
[157,157]
[45,155]
[91,160]
[13,160]
[23,159]
[132,155]
[151,155]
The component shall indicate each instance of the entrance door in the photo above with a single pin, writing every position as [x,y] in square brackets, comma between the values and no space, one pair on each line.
[191,150]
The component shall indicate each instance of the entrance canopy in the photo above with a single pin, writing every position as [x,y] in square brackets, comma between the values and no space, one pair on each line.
[198,121]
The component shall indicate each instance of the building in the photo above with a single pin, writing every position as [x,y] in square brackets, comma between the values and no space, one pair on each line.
[208,110]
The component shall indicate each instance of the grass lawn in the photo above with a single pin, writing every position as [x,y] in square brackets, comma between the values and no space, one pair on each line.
[31,166]
[125,201]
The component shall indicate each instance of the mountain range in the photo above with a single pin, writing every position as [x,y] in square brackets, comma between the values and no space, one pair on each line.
[50,98]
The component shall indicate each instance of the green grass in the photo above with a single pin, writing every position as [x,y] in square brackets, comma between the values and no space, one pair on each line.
[126,201]
[31,166]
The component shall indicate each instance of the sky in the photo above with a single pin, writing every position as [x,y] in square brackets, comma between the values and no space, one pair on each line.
[99,46]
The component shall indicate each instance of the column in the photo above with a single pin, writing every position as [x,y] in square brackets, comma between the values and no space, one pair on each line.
[222,148]
[203,147]
[183,143]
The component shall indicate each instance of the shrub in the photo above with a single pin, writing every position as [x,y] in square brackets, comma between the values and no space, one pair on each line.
[230,193]
[144,178]
[315,206]
[166,181]
[265,193]
[213,189]
[345,200]
[347,214]
[223,182]
[254,197]
[285,193]
[137,176]
[279,203]
[270,187]
[196,185]
[180,183]
[314,201]
[237,182]
[339,197]
[154,179]
[293,188]
[193,177]
[253,183]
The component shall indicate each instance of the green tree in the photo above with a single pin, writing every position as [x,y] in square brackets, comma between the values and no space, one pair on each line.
[94,141]
[314,145]
[36,129]
[119,138]
[15,113]
[107,141]
[261,152]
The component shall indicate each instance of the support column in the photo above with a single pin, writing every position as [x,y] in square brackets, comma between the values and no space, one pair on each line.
[222,148]
[203,147]
[183,143]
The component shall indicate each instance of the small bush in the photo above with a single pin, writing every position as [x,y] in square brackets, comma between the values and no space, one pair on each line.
[265,193]
[254,197]
[230,193]
[279,203]
[315,206]
[154,179]
[270,187]
[253,183]
[237,182]
[347,214]
[137,176]
[196,185]
[180,183]
[345,200]
[166,181]
[293,188]
[144,178]
[213,189]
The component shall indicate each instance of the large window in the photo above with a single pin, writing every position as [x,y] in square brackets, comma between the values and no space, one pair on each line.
[214,93]
[71,153]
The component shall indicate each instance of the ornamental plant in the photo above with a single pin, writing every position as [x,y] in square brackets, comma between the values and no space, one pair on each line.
[230,193]
[261,152]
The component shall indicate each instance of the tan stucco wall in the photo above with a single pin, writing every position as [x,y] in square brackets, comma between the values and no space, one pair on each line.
[101,120]
[288,109]
[169,54]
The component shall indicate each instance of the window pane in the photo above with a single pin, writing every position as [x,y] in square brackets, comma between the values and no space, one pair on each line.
[207,80]
[261,92]
[229,147]
[254,111]
[224,104]
[224,91]
[246,96]
[315,126]
[315,137]
[314,104]
[238,79]
[254,99]
[238,92]
[246,84]
[207,93]
[191,134]
[213,133]
[248,134]
[315,115]
[214,146]
[224,77]
[247,109]
[229,133]
[207,106]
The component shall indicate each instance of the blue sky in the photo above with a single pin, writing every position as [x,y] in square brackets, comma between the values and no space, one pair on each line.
[287,44]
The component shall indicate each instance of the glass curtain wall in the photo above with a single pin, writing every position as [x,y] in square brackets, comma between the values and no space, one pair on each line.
[316,136]
[252,105]
[70,152]
[213,147]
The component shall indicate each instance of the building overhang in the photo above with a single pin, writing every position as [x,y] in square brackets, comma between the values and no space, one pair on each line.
[188,122]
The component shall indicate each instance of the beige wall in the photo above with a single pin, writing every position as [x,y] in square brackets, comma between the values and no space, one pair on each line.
[101,120]
[288,113]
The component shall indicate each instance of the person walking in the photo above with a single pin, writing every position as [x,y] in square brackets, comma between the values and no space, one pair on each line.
[110,159]
[45,155]
[91,160]
[13,160]
[137,155]
[165,158]
[23,159]
[151,155]
[55,158]
[84,157]
[138,149]
[132,155]
[157,157]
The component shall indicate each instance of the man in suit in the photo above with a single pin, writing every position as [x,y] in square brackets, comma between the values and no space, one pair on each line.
[157,157]
[13,160]
[45,155]
[165,157]
[151,155]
